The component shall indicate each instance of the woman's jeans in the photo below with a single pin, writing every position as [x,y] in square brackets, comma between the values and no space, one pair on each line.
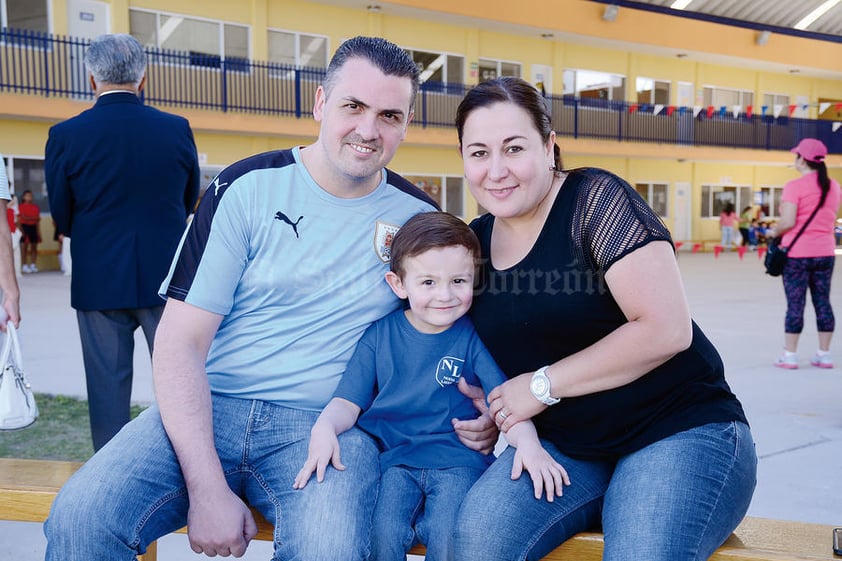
[419,505]
[675,500]
[814,273]
[132,491]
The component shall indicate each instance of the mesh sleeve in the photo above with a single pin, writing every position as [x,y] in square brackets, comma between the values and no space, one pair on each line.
[611,220]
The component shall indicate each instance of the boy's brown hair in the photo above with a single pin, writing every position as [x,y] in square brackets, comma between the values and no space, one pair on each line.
[431,230]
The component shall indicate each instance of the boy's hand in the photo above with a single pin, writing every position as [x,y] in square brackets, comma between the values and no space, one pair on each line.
[324,448]
[547,474]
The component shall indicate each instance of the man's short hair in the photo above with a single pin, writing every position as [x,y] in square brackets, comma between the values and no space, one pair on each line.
[385,55]
[116,59]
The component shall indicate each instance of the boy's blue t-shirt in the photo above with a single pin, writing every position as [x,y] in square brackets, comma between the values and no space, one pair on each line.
[405,383]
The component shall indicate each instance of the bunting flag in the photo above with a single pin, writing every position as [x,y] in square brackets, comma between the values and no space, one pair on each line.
[736,110]
[835,126]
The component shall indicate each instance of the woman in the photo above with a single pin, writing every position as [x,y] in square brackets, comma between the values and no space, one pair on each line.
[811,258]
[727,220]
[582,302]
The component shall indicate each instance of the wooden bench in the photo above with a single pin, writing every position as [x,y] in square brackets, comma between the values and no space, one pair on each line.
[28,487]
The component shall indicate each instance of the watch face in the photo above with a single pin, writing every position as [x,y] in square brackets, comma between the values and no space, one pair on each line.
[539,386]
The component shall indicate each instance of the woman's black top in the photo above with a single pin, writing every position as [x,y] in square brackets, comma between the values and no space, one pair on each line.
[555,302]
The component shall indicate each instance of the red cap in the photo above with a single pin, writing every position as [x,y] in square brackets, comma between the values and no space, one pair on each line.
[811,149]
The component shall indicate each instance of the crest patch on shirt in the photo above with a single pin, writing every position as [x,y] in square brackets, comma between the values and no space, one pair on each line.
[383,236]
[449,370]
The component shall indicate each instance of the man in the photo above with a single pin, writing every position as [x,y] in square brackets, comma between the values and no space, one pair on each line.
[277,277]
[8,279]
[122,179]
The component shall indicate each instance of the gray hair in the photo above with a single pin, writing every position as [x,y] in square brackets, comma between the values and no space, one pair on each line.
[116,59]
[385,55]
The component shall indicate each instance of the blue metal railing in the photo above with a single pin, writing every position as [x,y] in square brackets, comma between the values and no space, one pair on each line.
[42,64]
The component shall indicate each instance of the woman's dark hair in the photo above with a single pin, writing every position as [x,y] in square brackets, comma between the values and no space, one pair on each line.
[430,230]
[824,180]
[729,208]
[512,90]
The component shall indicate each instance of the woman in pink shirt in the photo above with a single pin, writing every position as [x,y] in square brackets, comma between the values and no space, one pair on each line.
[811,259]
[727,221]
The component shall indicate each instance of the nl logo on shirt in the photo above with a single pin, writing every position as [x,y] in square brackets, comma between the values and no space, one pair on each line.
[449,370]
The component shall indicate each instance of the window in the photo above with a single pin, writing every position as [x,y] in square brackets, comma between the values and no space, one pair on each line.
[28,174]
[206,41]
[715,197]
[439,67]
[298,49]
[775,104]
[490,69]
[723,97]
[655,194]
[25,14]
[591,84]
[652,92]
[447,191]
[770,201]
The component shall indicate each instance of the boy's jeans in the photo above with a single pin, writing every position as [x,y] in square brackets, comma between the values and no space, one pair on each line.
[132,491]
[419,505]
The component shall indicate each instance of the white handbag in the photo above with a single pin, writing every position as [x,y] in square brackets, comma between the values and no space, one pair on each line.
[17,403]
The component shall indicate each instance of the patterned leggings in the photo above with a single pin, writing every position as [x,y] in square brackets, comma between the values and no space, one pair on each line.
[799,273]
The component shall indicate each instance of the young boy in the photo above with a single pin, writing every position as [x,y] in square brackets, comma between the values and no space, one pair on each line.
[402,384]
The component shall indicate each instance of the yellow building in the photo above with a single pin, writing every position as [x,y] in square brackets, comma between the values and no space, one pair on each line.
[692,113]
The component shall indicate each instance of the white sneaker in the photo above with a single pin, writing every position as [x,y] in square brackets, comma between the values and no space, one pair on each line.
[33,268]
[822,360]
[787,360]
[25,269]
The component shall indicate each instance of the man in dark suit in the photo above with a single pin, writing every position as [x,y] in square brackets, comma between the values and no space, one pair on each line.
[122,179]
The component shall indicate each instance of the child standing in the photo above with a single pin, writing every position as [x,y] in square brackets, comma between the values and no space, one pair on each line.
[29,218]
[727,221]
[401,387]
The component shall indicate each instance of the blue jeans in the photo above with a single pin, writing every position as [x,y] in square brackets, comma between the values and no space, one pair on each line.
[675,500]
[132,491]
[418,505]
[727,236]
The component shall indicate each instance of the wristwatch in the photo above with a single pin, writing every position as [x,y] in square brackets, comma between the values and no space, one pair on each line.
[540,387]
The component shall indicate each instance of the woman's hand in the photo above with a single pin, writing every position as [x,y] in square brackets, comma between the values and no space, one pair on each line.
[512,402]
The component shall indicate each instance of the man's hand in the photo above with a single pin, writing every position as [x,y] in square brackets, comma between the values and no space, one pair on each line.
[478,434]
[220,525]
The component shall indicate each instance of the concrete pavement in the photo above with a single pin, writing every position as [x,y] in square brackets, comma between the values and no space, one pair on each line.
[796,416]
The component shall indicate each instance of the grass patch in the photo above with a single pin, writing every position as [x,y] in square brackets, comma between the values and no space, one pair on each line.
[62,431]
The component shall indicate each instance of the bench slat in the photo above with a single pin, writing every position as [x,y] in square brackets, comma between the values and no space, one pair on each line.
[28,487]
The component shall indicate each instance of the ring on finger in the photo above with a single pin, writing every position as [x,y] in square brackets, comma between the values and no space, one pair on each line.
[502,415]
